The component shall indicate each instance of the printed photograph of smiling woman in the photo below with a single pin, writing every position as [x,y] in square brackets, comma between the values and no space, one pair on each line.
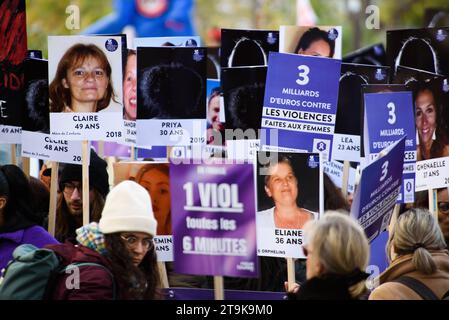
[430,105]
[85,74]
[322,41]
[288,197]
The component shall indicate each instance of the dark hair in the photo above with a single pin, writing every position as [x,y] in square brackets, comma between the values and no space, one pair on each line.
[18,213]
[213,93]
[36,98]
[245,105]
[66,224]
[418,53]
[171,91]
[281,159]
[129,54]
[74,56]
[312,35]
[140,282]
[41,199]
[247,52]
[349,104]
[442,140]
[333,198]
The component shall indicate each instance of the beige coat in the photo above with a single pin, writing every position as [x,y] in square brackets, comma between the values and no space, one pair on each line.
[438,282]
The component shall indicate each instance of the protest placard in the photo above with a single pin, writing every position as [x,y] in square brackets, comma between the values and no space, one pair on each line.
[213,212]
[300,102]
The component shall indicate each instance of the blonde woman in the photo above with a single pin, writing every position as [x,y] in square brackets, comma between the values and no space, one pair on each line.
[337,252]
[419,266]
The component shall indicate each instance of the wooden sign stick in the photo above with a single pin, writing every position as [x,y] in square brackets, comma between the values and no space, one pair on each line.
[163,274]
[26,166]
[218,288]
[85,166]
[14,154]
[53,198]
[345,181]
[433,202]
[291,278]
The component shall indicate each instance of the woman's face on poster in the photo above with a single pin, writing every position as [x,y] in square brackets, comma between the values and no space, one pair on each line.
[282,185]
[87,82]
[318,48]
[130,88]
[214,113]
[425,116]
[157,184]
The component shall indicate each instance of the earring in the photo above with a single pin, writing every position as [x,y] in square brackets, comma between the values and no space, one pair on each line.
[434,137]
[417,138]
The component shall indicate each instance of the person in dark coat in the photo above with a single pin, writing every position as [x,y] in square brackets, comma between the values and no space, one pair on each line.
[19,224]
[122,248]
[337,252]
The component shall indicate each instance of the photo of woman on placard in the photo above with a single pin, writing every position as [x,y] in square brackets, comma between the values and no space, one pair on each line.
[130,87]
[433,141]
[172,83]
[282,188]
[82,82]
[36,115]
[317,42]
[311,41]
[214,125]
[155,179]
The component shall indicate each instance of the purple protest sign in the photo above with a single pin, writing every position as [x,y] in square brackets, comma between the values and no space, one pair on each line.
[208,294]
[213,213]
[113,149]
[379,187]
[389,117]
[301,102]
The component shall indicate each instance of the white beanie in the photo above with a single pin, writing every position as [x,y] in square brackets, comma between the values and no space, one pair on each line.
[128,209]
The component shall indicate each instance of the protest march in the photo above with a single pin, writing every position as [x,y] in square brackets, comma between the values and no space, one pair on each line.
[150,153]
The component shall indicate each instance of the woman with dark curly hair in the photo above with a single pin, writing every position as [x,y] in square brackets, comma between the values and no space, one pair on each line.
[118,254]
[316,42]
[433,142]
[82,82]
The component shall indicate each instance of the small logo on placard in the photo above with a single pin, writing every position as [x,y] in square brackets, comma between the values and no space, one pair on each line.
[445,86]
[313,162]
[332,34]
[271,38]
[380,74]
[441,35]
[111,45]
[178,152]
[378,51]
[191,43]
[197,55]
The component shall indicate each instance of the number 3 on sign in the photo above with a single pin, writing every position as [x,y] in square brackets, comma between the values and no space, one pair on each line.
[303,75]
[391,113]
[384,171]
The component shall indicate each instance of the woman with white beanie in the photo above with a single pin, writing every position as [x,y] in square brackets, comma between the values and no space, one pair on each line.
[115,259]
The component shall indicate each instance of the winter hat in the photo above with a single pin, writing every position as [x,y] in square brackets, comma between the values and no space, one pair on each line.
[90,236]
[98,175]
[128,208]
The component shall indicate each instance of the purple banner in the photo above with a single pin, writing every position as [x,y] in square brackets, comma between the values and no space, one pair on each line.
[208,294]
[213,219]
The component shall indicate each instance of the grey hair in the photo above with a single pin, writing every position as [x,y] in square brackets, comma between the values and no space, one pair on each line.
[340,245]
